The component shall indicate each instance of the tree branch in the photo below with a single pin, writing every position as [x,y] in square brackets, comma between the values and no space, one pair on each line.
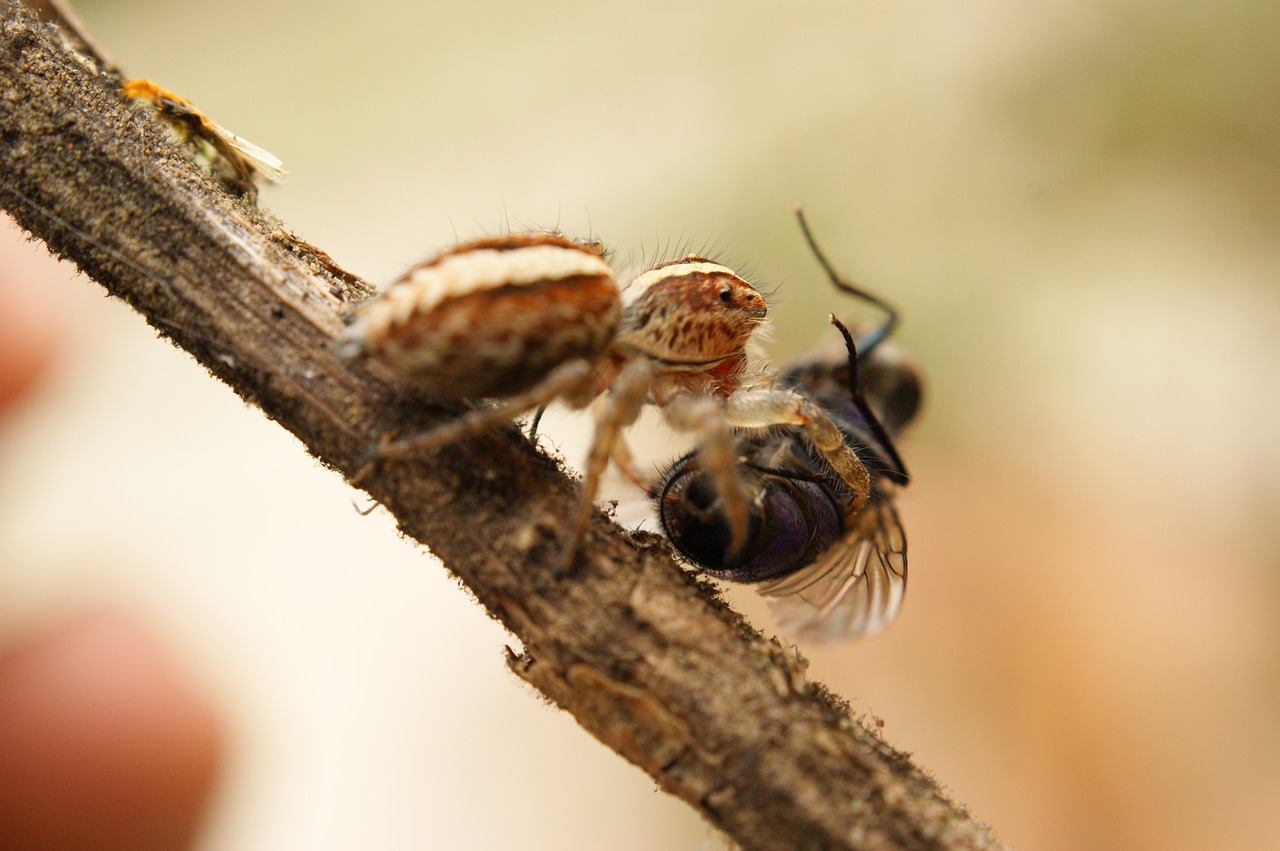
[643,654]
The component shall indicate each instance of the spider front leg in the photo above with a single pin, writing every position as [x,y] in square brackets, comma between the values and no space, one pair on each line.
[778,406]
[705,416]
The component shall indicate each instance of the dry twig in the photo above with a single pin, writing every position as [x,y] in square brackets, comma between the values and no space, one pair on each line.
[641,653]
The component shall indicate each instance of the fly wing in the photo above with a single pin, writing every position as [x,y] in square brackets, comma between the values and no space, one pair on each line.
[853,589]
[262,163]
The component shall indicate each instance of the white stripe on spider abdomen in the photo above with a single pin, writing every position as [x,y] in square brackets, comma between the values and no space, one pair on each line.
[492,317]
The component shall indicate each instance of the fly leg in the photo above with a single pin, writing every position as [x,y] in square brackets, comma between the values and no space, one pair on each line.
[877,335]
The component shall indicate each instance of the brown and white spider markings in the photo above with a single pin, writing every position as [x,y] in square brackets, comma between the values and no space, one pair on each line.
[528,319]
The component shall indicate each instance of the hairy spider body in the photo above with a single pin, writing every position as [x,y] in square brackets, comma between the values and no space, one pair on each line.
[490,318]
[527,319]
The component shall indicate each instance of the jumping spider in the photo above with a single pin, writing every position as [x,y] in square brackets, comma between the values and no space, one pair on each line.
[528,319]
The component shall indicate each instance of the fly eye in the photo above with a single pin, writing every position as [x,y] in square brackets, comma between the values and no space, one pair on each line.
[726,294]
[790,522]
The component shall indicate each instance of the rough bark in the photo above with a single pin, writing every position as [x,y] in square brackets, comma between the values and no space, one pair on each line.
[644,655]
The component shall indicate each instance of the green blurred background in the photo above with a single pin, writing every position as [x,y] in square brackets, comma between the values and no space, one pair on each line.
[1076,207]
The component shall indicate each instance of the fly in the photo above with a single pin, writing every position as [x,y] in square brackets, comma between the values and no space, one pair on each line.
[830,558]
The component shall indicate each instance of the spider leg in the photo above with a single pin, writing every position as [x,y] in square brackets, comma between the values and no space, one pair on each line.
[777,406]
[626,464]
[705,416]
[563,381]
[618,409]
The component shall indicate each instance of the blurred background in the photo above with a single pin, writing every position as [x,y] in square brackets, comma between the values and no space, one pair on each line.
[1076,208]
